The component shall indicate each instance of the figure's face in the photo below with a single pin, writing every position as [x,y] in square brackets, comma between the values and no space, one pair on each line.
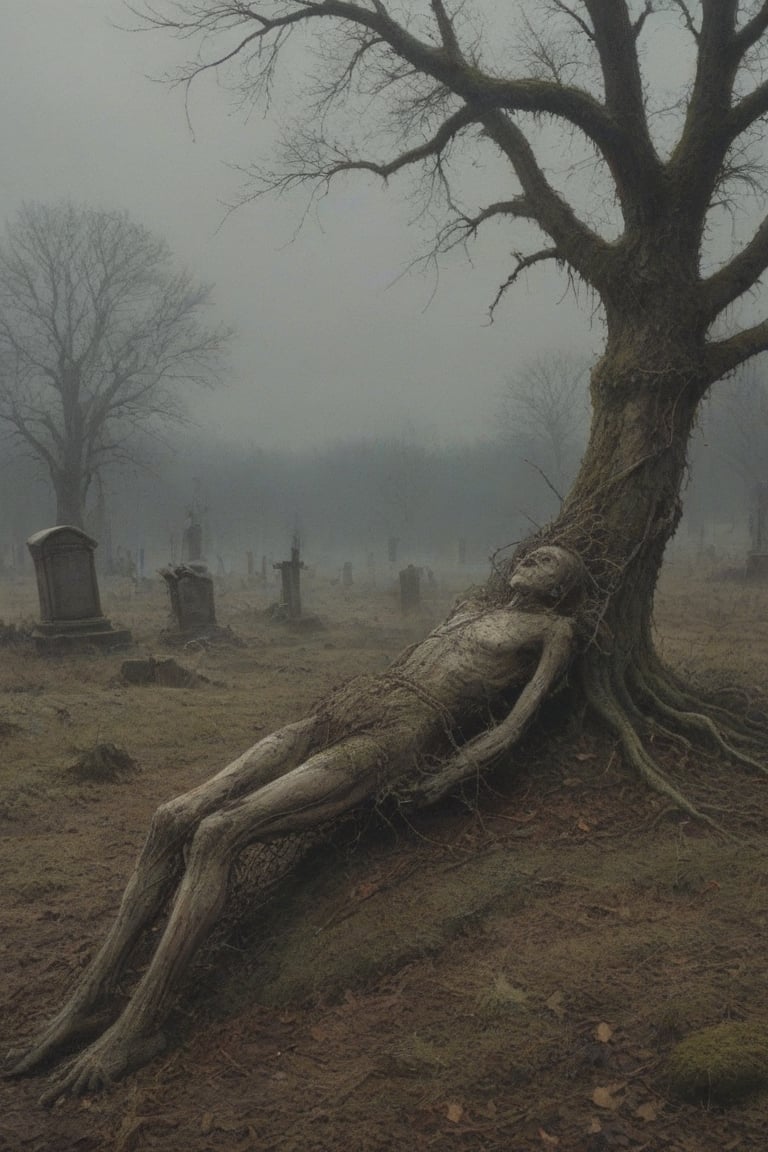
[545,572]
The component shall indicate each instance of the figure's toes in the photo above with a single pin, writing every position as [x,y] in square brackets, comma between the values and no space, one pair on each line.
[106,1061]
[60,1034]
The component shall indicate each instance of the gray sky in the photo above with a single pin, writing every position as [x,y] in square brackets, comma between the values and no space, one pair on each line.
[328,346]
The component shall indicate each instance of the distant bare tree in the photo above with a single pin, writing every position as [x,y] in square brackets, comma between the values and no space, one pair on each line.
[546,403]
[98,334]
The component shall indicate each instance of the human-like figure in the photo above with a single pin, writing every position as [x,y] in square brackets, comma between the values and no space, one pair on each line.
[447,709]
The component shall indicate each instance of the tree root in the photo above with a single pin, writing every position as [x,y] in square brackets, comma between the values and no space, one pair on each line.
[615,707]
[663,687]
[698,724]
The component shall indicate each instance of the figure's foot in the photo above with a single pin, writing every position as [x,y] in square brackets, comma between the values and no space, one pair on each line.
[65,1031]
[109,1058]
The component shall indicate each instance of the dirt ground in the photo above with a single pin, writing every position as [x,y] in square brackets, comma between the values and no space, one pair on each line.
[505,978]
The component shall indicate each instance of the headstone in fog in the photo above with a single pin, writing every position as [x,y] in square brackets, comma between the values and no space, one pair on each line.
[70,608]
[757,560]
[410,589]
[392,546]
[346,575]
[290,583]
[190,587]
[249,564]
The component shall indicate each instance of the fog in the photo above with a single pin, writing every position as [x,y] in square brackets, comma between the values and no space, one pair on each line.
[347,370]
[328,346]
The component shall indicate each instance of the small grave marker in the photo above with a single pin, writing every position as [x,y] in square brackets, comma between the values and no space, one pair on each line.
[410,589]
[190,587]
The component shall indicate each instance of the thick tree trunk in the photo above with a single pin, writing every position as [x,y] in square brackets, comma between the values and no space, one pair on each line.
[70,497]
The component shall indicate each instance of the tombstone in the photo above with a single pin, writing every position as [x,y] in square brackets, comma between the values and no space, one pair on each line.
[249,564]
[290,587]
[757,560]
[190,587]
[346,575]
[410,589]
[70,607]
[392,546]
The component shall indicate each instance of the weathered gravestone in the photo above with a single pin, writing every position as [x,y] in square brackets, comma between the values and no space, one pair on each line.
[410,589]
[70,608]
[757,560]
[190,587]
[290,583]
[347,579]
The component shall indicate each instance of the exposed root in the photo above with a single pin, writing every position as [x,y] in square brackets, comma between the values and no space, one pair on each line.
[602,696]
[663,685]
[699,723]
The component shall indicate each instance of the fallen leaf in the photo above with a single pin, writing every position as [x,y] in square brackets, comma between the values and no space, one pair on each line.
[555,1003]
[603,1033]
[595,1126]
[548,1140]
[583,826]
[206,1124]
[454,1113]
[647,1112]
[606,1097]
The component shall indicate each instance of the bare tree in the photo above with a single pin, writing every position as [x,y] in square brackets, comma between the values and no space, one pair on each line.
[455,705]
[545,406]
[98,334]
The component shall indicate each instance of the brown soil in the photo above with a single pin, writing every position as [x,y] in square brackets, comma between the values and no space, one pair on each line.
[506,979]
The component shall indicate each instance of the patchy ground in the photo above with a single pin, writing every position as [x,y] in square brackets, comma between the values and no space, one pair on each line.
[506,979]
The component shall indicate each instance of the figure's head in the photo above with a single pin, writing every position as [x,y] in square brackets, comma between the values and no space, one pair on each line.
[549,574]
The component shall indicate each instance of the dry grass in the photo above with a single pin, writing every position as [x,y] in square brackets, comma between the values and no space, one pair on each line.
[506,979]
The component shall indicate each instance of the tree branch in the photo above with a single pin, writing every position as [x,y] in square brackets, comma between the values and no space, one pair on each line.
[688,20]
[588,254]
[523,263]
[447,131]
[738,275]
[750,33]
[697,160]
[447,32]
[561,6]
[622,140]
[464,226]
[748,111]
[725,355]
[639,175]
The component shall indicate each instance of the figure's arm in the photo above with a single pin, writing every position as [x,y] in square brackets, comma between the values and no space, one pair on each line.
[480,754]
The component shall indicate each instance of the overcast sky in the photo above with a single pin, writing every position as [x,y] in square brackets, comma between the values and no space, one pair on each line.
[328,346]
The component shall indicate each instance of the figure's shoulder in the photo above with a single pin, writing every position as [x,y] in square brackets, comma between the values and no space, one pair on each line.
[544,626]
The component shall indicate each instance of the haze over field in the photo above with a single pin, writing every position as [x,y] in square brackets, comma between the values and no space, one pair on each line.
[329,348]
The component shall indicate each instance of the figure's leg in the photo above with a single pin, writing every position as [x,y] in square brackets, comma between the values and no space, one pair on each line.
[326,785]
[156,870]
